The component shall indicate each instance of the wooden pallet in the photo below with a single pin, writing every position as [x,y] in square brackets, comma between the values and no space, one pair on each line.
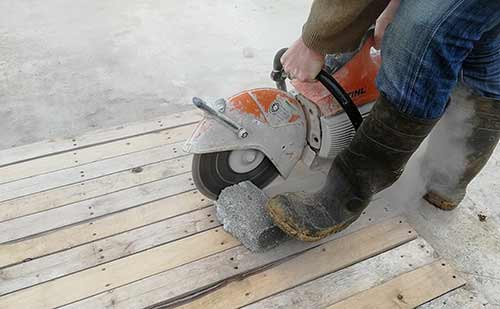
[112,219]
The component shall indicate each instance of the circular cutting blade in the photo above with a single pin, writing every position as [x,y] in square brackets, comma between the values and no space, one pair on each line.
[212,172]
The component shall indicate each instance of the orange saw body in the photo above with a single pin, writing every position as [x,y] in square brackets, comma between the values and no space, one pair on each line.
[261,133]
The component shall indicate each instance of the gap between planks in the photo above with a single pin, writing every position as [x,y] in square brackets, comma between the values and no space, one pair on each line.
[50,147]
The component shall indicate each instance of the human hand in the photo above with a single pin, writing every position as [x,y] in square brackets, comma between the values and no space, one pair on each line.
[384,20]
[301,62]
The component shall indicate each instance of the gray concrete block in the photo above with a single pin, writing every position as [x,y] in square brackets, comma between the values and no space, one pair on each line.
[241,210]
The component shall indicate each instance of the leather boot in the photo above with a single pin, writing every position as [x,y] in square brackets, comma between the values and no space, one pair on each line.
[480,134]
[374,160]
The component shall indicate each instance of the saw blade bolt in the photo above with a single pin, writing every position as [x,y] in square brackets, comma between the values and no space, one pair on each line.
[243,133]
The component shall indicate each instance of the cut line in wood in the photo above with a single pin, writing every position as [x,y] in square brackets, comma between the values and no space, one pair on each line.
[54,146]
[408,290]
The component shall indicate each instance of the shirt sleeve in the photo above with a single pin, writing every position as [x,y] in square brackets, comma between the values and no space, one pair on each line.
[335,26]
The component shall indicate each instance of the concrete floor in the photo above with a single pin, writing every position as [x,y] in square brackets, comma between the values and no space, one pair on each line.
[470,243]
[70,66]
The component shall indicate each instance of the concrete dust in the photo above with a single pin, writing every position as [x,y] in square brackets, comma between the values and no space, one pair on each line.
[440,159]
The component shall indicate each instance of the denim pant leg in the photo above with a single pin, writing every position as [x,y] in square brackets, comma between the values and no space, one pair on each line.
[425,47]
[481,68]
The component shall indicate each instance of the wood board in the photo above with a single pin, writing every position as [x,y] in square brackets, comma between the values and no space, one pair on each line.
[133,232]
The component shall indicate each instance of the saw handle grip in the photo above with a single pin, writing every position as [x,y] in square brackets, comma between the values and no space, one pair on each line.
[342,98]
[279,76]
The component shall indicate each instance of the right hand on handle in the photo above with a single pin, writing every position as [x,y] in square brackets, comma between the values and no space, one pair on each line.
[301,62]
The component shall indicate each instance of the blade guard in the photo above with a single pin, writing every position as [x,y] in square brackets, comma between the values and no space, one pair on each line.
[273,121]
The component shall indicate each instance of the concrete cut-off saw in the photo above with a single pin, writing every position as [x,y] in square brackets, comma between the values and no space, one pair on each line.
[261,133]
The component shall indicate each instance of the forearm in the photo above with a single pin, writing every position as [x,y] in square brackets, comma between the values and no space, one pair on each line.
[338,25]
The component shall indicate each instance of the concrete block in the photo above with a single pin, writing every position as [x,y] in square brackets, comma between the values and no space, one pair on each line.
[241,210]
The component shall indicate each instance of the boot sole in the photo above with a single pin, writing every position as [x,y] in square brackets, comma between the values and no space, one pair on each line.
[300,235]
[436,200]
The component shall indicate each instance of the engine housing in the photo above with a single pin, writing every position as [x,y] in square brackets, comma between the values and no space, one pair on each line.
[337,132]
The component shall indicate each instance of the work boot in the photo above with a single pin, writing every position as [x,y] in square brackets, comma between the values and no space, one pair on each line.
[478,134]
[374,160]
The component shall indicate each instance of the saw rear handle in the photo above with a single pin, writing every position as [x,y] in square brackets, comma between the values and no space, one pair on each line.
[279,76]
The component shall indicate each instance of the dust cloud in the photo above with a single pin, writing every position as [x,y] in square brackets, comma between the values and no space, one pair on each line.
[440,160]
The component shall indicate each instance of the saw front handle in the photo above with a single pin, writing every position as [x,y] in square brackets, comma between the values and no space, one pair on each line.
[279,76]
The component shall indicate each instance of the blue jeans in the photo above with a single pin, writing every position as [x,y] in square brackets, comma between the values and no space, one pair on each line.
[431,44]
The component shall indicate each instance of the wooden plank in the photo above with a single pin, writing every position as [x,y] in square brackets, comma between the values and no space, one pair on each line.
[327,258]
[105,250]
[463,298]
[90,209]
[91,154]
[50,147]
[344,283]
[61,196]
[92,170]
[183,281]
[119,272]
[100,228]
[408,290]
